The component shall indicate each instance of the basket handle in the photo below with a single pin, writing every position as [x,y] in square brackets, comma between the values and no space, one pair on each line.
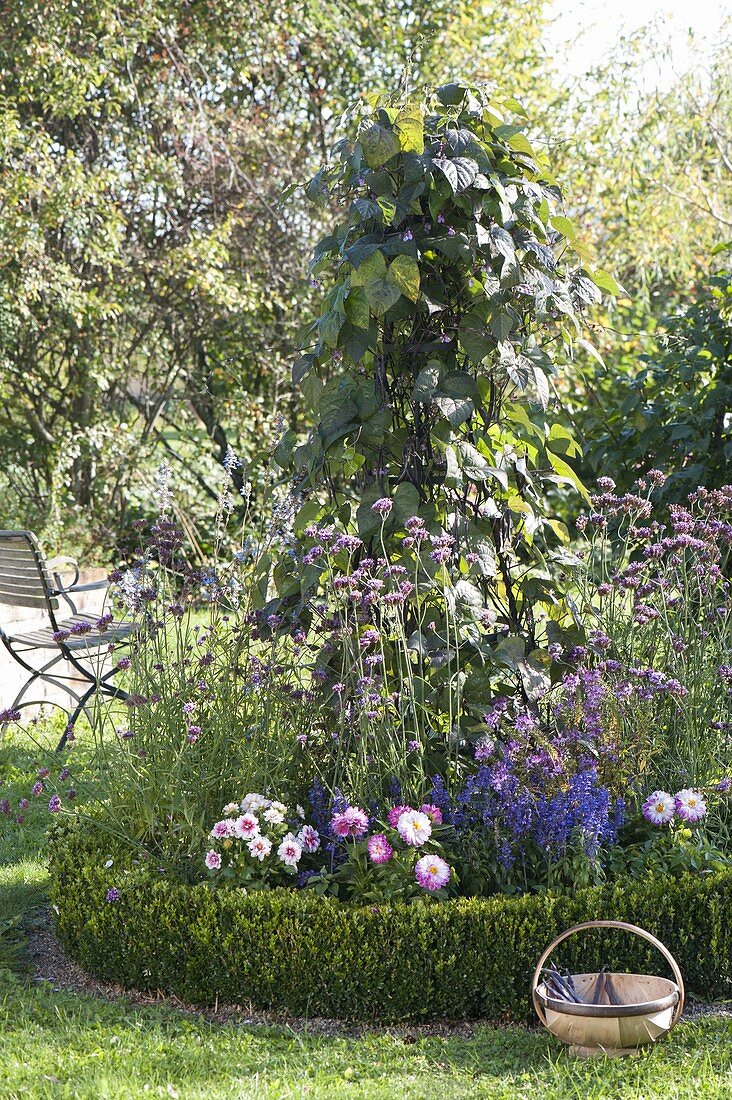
[624,927]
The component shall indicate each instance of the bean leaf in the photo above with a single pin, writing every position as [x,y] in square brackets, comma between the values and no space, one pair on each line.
[459,172]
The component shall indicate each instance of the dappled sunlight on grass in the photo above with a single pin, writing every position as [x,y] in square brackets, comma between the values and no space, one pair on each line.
[53,1042]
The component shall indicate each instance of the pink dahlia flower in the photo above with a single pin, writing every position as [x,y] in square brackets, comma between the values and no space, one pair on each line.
[352,822]
[431,872]
[213,860]
[434,813]
[379,848]
[396,812]
[290,851]
[246,827]
[309,838]
[260,847]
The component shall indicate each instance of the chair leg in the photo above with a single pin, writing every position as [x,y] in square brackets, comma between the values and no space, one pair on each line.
[98,686]
[96,683]
[72,720]
[37,674]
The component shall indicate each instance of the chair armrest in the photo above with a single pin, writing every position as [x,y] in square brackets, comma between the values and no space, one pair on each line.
[54,566]
[90,586]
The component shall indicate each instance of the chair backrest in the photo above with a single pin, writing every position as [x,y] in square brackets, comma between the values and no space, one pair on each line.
[24,579]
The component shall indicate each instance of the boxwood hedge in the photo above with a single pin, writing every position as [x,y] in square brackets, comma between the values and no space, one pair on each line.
[296,953]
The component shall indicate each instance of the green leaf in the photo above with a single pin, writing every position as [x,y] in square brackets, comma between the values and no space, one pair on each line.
[542,386]
[459,172]
[409,126]
[311,388]
[510,273]
[501,326]
[561,441]
[330,326]
[591,350]
[366,209]
[564,226]
[351,461]
[518,415]
[521,144]
[356,341]
[455,409]
[475,337]
[605,281]
[460,384]
[455,248]
[562,300]
[381,295]
[541,255]
[368,400]
[507,131]
[338,406]
[453,476]
[503,242]
[566,474]
[315,189]
[466,599]
[406,504]
[427,382]
[360,250]
[371,267]
[472,462]
[467,170]
[586,290]
[560,530]
[535,675]
[368,522]
[357,308]
[283,451]
[388,209]
[450,95]
[510,652]
[516,367]
[404,274]
[307,515]
[432,305]
[485,550]
[302,367]
[379,145]
[459,139]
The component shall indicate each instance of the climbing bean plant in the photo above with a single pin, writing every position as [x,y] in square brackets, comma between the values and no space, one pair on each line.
[453,290]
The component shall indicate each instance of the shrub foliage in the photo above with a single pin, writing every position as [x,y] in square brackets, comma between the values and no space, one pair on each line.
[292,952]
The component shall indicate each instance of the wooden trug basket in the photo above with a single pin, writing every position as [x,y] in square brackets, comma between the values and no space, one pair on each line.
[647,1010]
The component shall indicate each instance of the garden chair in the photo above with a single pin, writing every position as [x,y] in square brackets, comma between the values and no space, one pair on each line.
[25,581]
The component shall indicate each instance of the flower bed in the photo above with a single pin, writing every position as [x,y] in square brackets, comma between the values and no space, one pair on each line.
[307,955]
[438,696]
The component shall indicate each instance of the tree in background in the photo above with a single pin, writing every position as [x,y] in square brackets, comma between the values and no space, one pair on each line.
[151,279]
[145,272]
[151,285]
[673,411]
[649,173]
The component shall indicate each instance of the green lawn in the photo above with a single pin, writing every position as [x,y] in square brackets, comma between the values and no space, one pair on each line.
[55,1044]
